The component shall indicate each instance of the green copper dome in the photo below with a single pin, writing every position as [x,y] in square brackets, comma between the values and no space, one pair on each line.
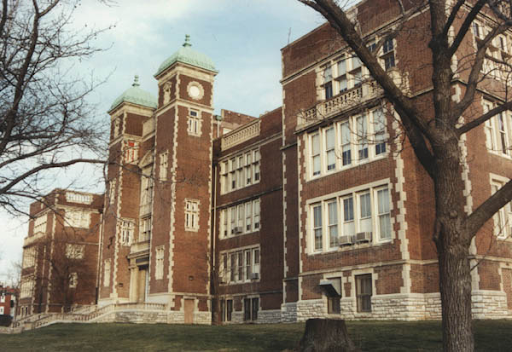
[189,56]
[135,95]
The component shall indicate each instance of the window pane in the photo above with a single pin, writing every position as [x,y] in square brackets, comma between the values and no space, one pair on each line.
[317,226]
[342,67]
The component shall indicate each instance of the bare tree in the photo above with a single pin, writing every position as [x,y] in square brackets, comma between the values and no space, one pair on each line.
[435,132]
[45,119]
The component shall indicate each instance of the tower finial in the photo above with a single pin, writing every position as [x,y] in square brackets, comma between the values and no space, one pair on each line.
[187,41]
[136,81]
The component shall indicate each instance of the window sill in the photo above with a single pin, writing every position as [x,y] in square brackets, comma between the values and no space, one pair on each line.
[240,234]
[352,247]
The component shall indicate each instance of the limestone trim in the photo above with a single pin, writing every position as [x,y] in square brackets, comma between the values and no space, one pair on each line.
[210,206]
[259,143]
[285,229]
[127,107]
[173,205]
[49,290]
[188,104]
[182,68]
[240,135]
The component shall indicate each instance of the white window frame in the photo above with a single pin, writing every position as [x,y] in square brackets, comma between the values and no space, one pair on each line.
[73,280]
[238,265]
[498,140]
[240,219]
[194,122]
[131,151]
[77,218]
[502,219]
[373,142]
[126,231]
[164,165]
[240,171]
[192,215]
[75,251]
[355,224]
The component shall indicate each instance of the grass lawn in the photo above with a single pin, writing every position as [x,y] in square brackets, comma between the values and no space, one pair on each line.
[369,336]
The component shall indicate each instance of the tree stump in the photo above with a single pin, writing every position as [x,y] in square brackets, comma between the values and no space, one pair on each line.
[326,335]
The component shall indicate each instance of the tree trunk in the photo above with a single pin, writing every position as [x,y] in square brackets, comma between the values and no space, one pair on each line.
[452,241]
[326,335]
[455,287]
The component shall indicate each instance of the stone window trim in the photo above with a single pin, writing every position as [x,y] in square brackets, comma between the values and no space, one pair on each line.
[240,170]
[73,280]
[40,224]
[126,231]
[163,165]
[131,151]
[159,265]
[29,257]
[194,122]
[77,218]
[106,272]
[240,219]
[348,143]
[498,131]
[322,225]
[192,215]
[502,219]
[112,191]
[240,265]
[75,251]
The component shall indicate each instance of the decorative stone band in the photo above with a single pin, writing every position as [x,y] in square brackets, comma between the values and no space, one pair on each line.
[339,103]
[241,135]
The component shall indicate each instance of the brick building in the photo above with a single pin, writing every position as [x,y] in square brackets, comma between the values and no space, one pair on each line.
[7,300]
[60,253]
[317,208]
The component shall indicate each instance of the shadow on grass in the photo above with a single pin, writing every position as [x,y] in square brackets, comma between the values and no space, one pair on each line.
[368,335]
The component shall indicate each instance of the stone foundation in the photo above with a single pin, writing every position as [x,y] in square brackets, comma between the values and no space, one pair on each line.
[269,317]
[490,305]
[416,306]
[289,312]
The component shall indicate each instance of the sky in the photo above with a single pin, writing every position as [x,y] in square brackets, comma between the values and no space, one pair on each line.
[243,37]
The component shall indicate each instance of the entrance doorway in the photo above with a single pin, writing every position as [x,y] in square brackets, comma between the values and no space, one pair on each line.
[142,283]
[189,311]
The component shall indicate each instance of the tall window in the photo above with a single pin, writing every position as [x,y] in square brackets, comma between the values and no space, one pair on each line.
[77,218]
[106,273]
[361,217]
[362,138]
[40,224]
[317,226]
[353,141]
[328,82]
[191,215]
[498,131]
[159,268]
[164,165]
[29,257]
[127,231]
[383,212]
[503,217]
[240,219]
[112,191]
[388,54]
[243,265]
[73,280]
[131,151]
[240,171]
[315,154]
[145,229]
[332,213]
[330,137]
[364,292]
[194,122]
[75,251]
[346,148]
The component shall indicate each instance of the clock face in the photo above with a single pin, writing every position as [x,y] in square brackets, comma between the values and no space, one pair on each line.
[194,91]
